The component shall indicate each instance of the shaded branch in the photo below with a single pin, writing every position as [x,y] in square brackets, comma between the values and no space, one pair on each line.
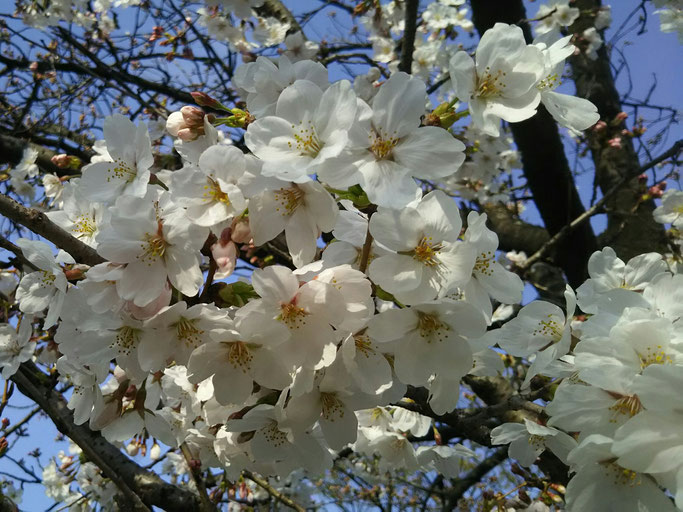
[142,489]
[408,44]
[261,482]
[39,223]
[673,152]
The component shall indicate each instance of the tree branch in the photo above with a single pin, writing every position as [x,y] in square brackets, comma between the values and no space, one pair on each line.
[409,29]
[261,482]
[39,223]
[142,489]
[673,152]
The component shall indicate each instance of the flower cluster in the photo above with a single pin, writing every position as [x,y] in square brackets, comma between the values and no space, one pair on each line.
[618,372]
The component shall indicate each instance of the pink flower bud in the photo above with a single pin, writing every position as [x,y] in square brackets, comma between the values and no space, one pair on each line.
[241,232]
[193,116]
[599,126]
[187,134]
[204,100]
[62,160]
[225,256]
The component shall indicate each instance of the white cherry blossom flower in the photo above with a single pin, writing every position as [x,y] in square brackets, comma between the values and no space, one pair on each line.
[431,338]
[501,85]
[45,288]
[299,316]
[671,209]
[79,216]
[16,347]
[127,173]
[236,359]
[388,148]
[529,440]
[429,258]
[602,484]
[309,127]
[156,244]
[302,210]
[211,193]
[174,332]
[263,81]
[568,110]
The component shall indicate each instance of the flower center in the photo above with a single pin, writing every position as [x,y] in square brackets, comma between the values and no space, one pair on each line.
[332,407]
[549,328]
[484,263]
[426,251]
[431,328]
[85,226]
[214,193]
[187,331]
[626,405]
[654,355]
[382,145]
[290,199]
[126,340]
[306,140]
[239,356]
[490,85]
[294,317]
[621,476]
[363,345]
[536,442]
[549,83]
[48,278]
[122,171]
[274,435]
[154,246]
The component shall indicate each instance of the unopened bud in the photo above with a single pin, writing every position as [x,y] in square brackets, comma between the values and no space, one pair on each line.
[204,100]
[5,422]
[132,448]
[241,232]
[225,256]
[155,452]
[4,445]
[193,116]
[599,126]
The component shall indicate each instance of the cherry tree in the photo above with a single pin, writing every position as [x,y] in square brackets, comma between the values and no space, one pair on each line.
[246,266]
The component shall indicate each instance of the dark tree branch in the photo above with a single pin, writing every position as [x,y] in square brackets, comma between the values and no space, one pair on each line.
[631,228]
[141,488]
[39,223]
[673,152]
[409,29]
[462,485]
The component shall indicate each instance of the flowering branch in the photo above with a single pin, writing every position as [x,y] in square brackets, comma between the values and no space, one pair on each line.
[261,482]
[141,488]
[39,223]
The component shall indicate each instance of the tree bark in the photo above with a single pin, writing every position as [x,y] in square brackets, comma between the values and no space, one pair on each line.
[631,228]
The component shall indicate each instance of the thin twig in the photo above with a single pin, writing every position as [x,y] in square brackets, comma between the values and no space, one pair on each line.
[365,254]
[207,505]
[672,152]
[285,500]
